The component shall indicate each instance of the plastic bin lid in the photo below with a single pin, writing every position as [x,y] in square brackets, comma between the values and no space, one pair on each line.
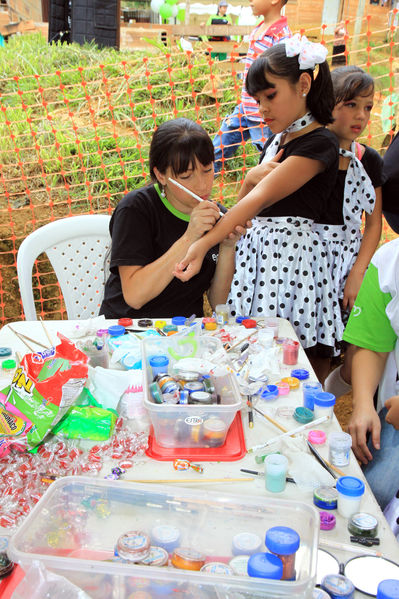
[282,540]
[265,565]
[388,589]
[350,485]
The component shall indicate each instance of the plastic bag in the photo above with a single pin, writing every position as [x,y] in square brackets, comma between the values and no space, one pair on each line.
[39,583]
[87,422]
[44,387]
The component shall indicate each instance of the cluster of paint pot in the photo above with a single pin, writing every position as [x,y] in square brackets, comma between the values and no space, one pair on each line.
[162,547]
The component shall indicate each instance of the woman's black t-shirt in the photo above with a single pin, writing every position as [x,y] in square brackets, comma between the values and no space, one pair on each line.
[310,200]
[143,227]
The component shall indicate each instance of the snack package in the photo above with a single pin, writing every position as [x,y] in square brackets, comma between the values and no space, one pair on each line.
[44,387]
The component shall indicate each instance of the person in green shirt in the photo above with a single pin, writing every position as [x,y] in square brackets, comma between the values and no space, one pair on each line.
[373,327]
[220,18]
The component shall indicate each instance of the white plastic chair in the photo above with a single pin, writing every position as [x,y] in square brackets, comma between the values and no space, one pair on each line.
[77,248]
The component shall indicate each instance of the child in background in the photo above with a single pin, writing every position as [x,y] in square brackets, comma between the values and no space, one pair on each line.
[358,190]
[245,122]
[281,265]
[373,327]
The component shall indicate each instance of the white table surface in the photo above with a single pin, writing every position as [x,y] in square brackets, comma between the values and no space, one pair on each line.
[148,468]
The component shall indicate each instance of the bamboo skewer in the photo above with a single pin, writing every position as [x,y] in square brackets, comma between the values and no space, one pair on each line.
[190,480]
[25,339]
[241,340]
[46,332]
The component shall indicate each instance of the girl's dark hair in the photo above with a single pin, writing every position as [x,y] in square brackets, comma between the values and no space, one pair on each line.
[274,61]
[176,144]
[349,82]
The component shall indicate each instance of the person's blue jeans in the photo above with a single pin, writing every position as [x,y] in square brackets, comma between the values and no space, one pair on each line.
[236,129]
[382,473]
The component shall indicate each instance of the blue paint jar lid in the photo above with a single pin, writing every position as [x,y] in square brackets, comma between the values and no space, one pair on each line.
[159,361]
[324,399]
[300,373]
[338,586]
[115,330]
[303,415]
[270,392]
[5,351]
[246,543]
[166,536]
[265,565]
[388,589]
[282,540]
[350,485]
[179,320]
[320,594]
[239,319]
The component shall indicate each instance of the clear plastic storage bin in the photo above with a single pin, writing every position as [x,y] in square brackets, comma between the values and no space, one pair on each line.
[74,528]
[177,425]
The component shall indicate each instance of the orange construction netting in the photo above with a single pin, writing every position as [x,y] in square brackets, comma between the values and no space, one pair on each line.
[75,140]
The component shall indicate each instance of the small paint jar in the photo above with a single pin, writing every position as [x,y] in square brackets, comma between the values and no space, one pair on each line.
[159,365]
[179,321]
[350,492]
[239,565]
[276,466]
[300,373]
[249,323]
[283,388]
[265,565]
[325,497]
[338,586]
[133,545]
[192,386]
[309,389]
[320,594]
[362,524]
[284,542]
[186,558]
[200,397]
[214,431]
[217,568]
[158,556]
[269,393]
[116,330]
[155,392]
[340,444]
[323,404]
[272,323]
[388,589]
[246,543]
[170,328]
[290,352]
[317,437]
[303,415]
[222,312]
[266,337]
[166,536]
[327,521]
[292,381]
[125,322]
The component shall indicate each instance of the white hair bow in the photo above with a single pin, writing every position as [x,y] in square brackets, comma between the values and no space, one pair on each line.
[310,53]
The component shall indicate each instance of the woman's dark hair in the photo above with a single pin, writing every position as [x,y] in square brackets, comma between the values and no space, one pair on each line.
[349,82]
[176,144]
[274,61]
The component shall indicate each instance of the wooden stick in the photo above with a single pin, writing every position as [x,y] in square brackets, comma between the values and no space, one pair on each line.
[241,340]
[190,480]
[46,331]
[22,338]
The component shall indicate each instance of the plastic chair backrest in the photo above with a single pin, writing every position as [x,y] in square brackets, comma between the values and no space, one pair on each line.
[77,249]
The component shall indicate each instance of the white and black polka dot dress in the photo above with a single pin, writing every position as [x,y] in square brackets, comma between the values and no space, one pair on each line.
[282,270]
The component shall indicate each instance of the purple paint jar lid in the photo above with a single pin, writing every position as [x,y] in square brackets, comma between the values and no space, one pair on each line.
[327,521]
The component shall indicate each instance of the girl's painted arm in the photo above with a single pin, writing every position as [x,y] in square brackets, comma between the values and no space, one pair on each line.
[370,240]
[290,175]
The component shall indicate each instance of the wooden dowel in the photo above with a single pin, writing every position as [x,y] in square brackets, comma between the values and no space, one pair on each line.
[23,337]
[190,480]
[46,332]
[241,340]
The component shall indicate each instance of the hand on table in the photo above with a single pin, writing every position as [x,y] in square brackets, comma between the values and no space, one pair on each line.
[362,421]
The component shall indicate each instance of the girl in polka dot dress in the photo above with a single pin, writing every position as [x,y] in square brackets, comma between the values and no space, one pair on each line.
[281,264]
[358,190]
